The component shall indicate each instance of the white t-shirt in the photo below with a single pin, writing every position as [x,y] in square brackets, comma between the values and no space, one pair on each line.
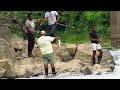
[45,45]
[51,17]
[30,24]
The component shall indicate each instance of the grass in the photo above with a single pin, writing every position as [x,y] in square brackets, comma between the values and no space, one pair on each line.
[75,37]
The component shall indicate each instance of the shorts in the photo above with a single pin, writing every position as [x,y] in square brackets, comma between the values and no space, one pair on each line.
[95,46]
[48,58]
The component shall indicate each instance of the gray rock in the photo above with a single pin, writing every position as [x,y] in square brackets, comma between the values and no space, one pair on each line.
[86,70]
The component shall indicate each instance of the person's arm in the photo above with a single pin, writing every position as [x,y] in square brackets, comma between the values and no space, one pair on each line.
[29,30]
[56,38]
[58,18]
[46,19]
[51,39]
[94,39]
[39,21]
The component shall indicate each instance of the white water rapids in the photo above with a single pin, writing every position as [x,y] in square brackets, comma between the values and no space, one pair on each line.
[111,75]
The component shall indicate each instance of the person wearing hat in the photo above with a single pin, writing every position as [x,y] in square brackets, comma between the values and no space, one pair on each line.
[95,45]
[44,43]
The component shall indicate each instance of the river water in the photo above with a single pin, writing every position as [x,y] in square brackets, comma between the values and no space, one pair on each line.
[111,75]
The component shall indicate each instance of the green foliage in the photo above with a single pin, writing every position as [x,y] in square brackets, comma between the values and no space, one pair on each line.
[80,20]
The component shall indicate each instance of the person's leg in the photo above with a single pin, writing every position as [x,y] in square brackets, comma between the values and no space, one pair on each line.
[51,61]
[93,58]
[32,43]
[100,53]
[46,69]
[49,32]
[53,27]
[93,45]
[29,43]
[45,60]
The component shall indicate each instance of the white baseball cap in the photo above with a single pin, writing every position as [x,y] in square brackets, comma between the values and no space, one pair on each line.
[43,32]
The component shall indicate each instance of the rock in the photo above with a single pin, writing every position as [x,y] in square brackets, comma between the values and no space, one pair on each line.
[62,53]
[58,59]
[28,67]
[97,66]
[100,68]
[36,52]
[22,48]
[84,53]
[2,71]
[112,67]
[6,51]
[5,33]
[70,66]
[71,48]
[8,66]
[87,70]
[19,58]
[18,47]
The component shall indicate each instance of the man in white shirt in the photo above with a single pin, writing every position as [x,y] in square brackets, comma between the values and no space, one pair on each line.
[52,17]
[30,32]
[44,42]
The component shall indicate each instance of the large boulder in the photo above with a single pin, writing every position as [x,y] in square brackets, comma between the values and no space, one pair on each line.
[7,68]
[101,69]
[72,49]
[84,53]
[5,33]
[2,71]
[28,67]
[70,66]
[62,52]
[21,48]
[87,70]
[6,51]
[7,55]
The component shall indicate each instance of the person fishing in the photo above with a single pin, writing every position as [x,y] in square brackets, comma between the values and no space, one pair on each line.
[95,45]
[44,43]
[52,17]
[30,32]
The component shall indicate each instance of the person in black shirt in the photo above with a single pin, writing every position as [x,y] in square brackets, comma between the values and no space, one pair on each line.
[95,45]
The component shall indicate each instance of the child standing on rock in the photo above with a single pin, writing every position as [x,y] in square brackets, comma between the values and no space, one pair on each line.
[95,45]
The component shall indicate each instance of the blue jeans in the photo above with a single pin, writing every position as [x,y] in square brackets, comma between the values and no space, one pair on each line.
[52,30]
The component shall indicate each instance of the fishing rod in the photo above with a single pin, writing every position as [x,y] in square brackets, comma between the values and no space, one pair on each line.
[66,25]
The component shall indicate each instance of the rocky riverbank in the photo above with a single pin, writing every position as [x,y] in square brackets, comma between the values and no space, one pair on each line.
[14,62]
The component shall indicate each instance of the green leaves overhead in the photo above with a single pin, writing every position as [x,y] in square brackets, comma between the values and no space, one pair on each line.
[80,20]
